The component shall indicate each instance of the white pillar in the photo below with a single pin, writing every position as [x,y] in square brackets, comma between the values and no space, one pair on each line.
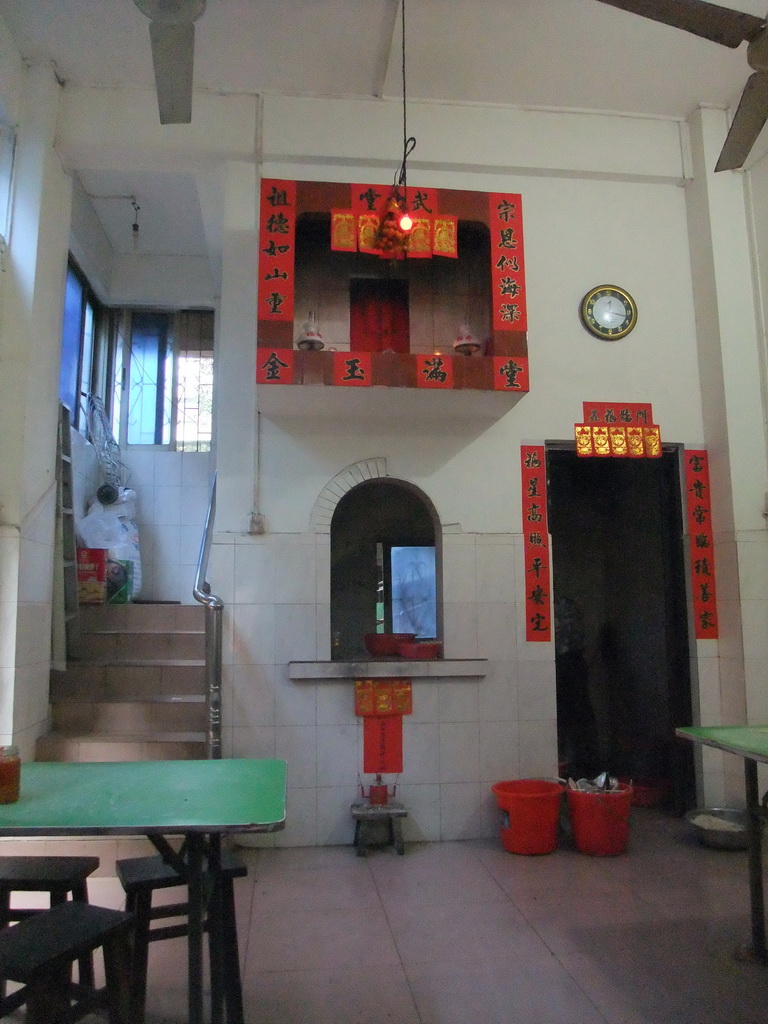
[732,400]
[30,343]
[236,352]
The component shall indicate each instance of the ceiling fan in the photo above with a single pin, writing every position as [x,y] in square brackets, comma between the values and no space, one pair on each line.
[730,28]
[172,35]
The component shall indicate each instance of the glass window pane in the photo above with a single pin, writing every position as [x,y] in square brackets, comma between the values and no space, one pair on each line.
[70,344]
[194,401]
[86,364]
[148,404]
[414,591]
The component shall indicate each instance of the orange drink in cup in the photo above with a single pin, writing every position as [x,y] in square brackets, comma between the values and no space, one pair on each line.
[10,772]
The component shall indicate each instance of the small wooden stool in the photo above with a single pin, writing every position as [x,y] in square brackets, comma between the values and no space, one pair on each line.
[368,819]
[140,876]
[39,953]
[58,876]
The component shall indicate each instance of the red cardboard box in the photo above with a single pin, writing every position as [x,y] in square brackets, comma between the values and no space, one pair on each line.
[91,575]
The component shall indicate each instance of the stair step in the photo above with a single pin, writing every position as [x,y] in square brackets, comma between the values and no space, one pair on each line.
[110,682]
[161,747]
[136,717]
[124,645]
[143,662]
[133,689]
[150,618]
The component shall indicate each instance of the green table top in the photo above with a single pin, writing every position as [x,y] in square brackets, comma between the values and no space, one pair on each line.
[750,741]
[147,797]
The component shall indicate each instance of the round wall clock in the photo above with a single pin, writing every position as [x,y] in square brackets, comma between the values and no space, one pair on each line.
[608,312]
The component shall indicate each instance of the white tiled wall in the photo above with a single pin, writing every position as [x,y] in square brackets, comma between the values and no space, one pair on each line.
[463,735]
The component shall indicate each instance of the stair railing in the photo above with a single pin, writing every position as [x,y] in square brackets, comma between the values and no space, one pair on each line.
[214,609]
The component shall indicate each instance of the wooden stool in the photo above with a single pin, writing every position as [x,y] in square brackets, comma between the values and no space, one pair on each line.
[39,953]
[140,876]
[368,819]
[58,876]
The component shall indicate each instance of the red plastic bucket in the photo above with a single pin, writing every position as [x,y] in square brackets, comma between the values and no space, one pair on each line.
[529,814]
[600,821]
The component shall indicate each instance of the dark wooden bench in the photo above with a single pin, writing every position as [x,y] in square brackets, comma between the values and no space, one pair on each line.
[60,877]
[140,877]
[39,951]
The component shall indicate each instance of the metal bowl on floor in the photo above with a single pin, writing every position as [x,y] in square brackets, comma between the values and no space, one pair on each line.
[724,828]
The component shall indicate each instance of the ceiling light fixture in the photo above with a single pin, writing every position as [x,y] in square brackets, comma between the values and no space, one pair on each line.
[409,142]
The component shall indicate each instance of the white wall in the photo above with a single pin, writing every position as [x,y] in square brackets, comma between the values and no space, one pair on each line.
[615,213]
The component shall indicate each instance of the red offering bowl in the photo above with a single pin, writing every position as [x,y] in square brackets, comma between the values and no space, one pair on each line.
[427,649]
[382,644]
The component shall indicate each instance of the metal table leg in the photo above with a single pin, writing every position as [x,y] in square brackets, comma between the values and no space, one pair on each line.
[216,931]
[196,917]
[754,833]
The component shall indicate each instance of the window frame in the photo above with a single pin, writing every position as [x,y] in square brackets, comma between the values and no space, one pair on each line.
[98,372]
[123,361]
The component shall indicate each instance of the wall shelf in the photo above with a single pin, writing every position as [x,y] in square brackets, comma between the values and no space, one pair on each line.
[401,668]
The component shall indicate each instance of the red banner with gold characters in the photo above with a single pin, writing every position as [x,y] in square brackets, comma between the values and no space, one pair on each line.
[274,366]
[618,430]
[699,508]
[352,369]
[538,596]
[510,373]
[277,238]
[434,371]
[507,262]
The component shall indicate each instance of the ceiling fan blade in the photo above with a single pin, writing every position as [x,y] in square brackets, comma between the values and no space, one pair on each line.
[710,21]
[173,49]
[751,115]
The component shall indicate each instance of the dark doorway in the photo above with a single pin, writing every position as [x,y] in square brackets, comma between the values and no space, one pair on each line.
[620,595]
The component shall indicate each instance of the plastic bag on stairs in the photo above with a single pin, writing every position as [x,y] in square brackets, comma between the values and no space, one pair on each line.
[114,528]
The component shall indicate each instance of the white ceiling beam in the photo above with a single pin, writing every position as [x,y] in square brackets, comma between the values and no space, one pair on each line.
[389,24]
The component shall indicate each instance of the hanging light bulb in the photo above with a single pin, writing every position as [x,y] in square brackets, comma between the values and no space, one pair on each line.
[398,222]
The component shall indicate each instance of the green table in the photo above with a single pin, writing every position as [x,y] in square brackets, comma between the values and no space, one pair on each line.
[199,800]
[751,743]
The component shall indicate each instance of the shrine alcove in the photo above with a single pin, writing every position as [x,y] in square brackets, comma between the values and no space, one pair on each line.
[385,566]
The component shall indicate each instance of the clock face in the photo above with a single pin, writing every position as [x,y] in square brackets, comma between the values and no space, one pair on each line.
[608,312]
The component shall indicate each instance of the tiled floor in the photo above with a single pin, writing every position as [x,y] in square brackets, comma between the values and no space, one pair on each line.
[465,933]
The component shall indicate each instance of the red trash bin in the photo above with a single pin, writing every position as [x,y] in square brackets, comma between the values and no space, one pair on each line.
[529,814]
[600,820]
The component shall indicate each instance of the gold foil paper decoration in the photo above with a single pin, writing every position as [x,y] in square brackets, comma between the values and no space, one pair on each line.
[618,430]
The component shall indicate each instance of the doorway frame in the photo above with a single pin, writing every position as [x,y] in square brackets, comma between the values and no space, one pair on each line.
[685,760]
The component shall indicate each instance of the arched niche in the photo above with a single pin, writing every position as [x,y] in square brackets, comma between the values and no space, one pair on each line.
[382,532]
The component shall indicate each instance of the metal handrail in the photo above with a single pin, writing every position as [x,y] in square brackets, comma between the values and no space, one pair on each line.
[214,608]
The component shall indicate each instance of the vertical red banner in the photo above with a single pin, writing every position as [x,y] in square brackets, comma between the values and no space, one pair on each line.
[699,508]
[538,595]
[507,262]
[382,744]
[277,238]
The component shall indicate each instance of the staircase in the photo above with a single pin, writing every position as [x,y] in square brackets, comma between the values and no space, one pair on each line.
[134,688]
